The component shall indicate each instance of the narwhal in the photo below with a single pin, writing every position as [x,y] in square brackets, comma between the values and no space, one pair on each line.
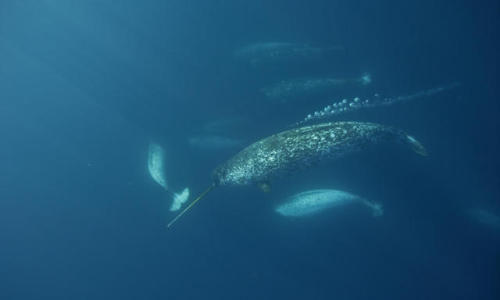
[156,164]
[348,105]
[315,201]
[282,52]
[300,88]
[299,148]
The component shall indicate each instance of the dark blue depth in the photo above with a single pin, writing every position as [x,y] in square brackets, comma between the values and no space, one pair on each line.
[85,86]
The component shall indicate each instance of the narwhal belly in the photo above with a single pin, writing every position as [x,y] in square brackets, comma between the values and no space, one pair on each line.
[302,147]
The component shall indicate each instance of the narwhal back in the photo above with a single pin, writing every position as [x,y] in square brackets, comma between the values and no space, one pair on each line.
[302,147]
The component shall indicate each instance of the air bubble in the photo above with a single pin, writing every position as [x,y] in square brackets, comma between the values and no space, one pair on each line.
[355,103]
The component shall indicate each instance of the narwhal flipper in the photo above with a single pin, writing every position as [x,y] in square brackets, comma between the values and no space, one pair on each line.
[415,145]
[377,208]
[264,186]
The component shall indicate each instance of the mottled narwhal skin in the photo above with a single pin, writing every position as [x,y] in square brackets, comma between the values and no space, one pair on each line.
[299,148]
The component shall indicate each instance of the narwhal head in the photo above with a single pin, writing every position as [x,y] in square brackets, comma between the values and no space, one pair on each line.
[231,174]
[219,175]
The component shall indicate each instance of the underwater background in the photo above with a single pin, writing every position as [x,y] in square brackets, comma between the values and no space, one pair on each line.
[86,86]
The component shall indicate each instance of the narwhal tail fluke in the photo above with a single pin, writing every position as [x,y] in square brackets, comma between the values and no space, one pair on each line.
[377,208]
[178,199]
[416,145]
[211,187]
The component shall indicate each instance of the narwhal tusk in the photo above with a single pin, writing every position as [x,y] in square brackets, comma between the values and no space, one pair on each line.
[190,205]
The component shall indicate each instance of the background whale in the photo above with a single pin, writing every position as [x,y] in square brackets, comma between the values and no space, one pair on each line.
[307,87]
[156,164]
[280,52]
[314,201]
[156,168]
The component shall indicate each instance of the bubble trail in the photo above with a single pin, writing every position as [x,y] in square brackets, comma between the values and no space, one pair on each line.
[348,105]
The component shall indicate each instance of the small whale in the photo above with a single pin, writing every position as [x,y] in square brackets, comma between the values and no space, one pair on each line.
[280,52]
[304,88]
[314,201]
[342,106]
[156,157]
[156,168]
[485,217]
[300,148]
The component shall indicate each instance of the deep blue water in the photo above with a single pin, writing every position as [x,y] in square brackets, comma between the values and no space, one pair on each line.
[85,86]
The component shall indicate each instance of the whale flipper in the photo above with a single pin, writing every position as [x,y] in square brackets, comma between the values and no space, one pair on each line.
[264,186]
[377,208]
[416,145]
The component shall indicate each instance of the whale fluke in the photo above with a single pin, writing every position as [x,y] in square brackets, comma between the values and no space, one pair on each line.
[211,187]
[377,208]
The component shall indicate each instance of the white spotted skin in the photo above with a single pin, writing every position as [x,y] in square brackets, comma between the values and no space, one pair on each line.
[314,201]
[299,148]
